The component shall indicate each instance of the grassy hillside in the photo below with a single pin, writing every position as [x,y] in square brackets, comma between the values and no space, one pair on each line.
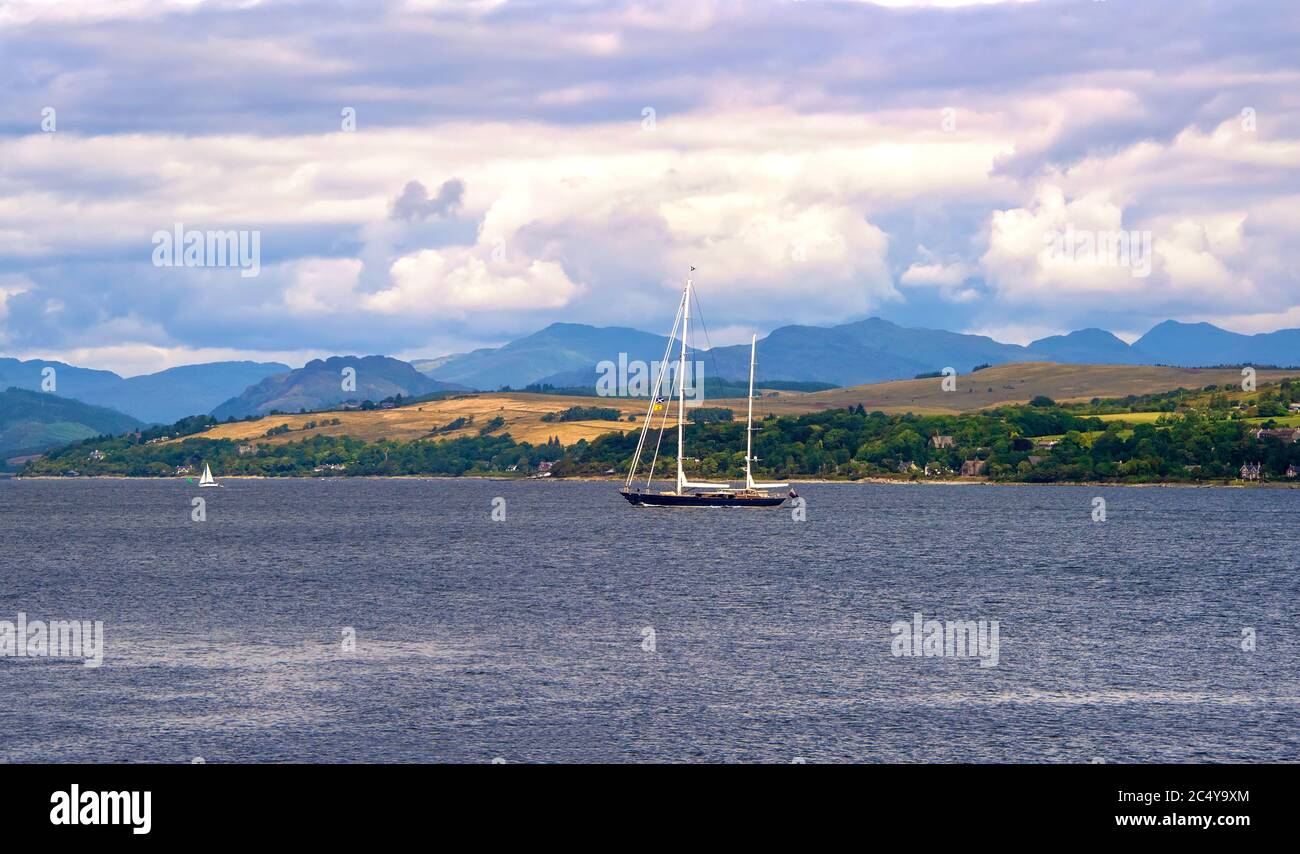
[1007,384]
[33,421]
[530,418]
[1186,444]
[522,412]
[521,415]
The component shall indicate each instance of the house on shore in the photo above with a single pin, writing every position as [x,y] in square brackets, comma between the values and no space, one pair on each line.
[1287,435]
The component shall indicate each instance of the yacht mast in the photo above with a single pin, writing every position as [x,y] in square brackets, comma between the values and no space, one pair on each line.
[681,385]
[749,428]
[749,418]
[650,407]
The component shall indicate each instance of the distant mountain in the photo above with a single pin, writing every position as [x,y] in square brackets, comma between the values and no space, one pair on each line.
[68,380]
[167,396]
[164,397]
[867,351]
[35,421]
[566,355]
[428,366]
[319,385]
[1201,344]
[1087,347]
[559,348]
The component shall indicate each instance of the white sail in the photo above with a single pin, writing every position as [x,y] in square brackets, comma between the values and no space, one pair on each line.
[682,483]
[749,427]
[655,400]
[207,479]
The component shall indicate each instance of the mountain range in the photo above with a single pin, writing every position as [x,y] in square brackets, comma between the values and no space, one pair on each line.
[865,351]
[567,355]
[160,398]
[562,354]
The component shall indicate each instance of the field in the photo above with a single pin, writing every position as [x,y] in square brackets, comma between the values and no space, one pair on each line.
[1133,417]
[1018,383]
[523,412]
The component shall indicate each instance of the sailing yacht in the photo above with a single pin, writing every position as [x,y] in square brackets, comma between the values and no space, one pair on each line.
[207,479]
[692,493]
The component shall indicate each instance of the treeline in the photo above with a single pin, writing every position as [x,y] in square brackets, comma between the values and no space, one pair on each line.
[1216,401]
[584,413]
[315,455]
[844,443]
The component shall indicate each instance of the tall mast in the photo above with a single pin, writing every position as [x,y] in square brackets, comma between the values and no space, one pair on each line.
[650,407]
[681,385]
[749,418]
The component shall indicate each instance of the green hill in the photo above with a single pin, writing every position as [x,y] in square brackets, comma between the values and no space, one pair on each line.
[33,421]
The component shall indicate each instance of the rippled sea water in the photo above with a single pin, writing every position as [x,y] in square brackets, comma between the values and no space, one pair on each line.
[523,639]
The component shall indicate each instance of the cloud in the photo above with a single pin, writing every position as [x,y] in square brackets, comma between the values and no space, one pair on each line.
[461,281]
[795,170]
[414,202]
[322,285]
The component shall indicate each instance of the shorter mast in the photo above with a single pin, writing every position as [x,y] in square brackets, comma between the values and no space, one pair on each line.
[749,427]
[749,417]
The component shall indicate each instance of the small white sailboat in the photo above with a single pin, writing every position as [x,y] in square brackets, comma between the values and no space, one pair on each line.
[207,479]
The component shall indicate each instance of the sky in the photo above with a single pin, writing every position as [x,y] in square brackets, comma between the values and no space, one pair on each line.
[427,176]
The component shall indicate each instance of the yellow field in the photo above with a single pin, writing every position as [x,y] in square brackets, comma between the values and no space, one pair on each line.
[523,412]
[1133,417]
[1004,384]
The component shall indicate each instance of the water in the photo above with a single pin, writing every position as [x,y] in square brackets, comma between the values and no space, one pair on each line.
[523,639]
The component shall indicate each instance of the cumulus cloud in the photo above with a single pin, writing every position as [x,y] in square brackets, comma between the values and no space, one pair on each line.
[415,204]
[794,170]
[322,285]
[949,280]
[460,281]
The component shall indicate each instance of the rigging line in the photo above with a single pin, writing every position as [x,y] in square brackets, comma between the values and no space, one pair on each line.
[654,395]
[663,371]
[663,423]
[700,311]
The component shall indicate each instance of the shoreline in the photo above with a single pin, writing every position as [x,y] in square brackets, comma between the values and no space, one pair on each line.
[610,479]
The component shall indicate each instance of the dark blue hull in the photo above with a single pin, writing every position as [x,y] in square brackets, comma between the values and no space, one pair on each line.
[702,499]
